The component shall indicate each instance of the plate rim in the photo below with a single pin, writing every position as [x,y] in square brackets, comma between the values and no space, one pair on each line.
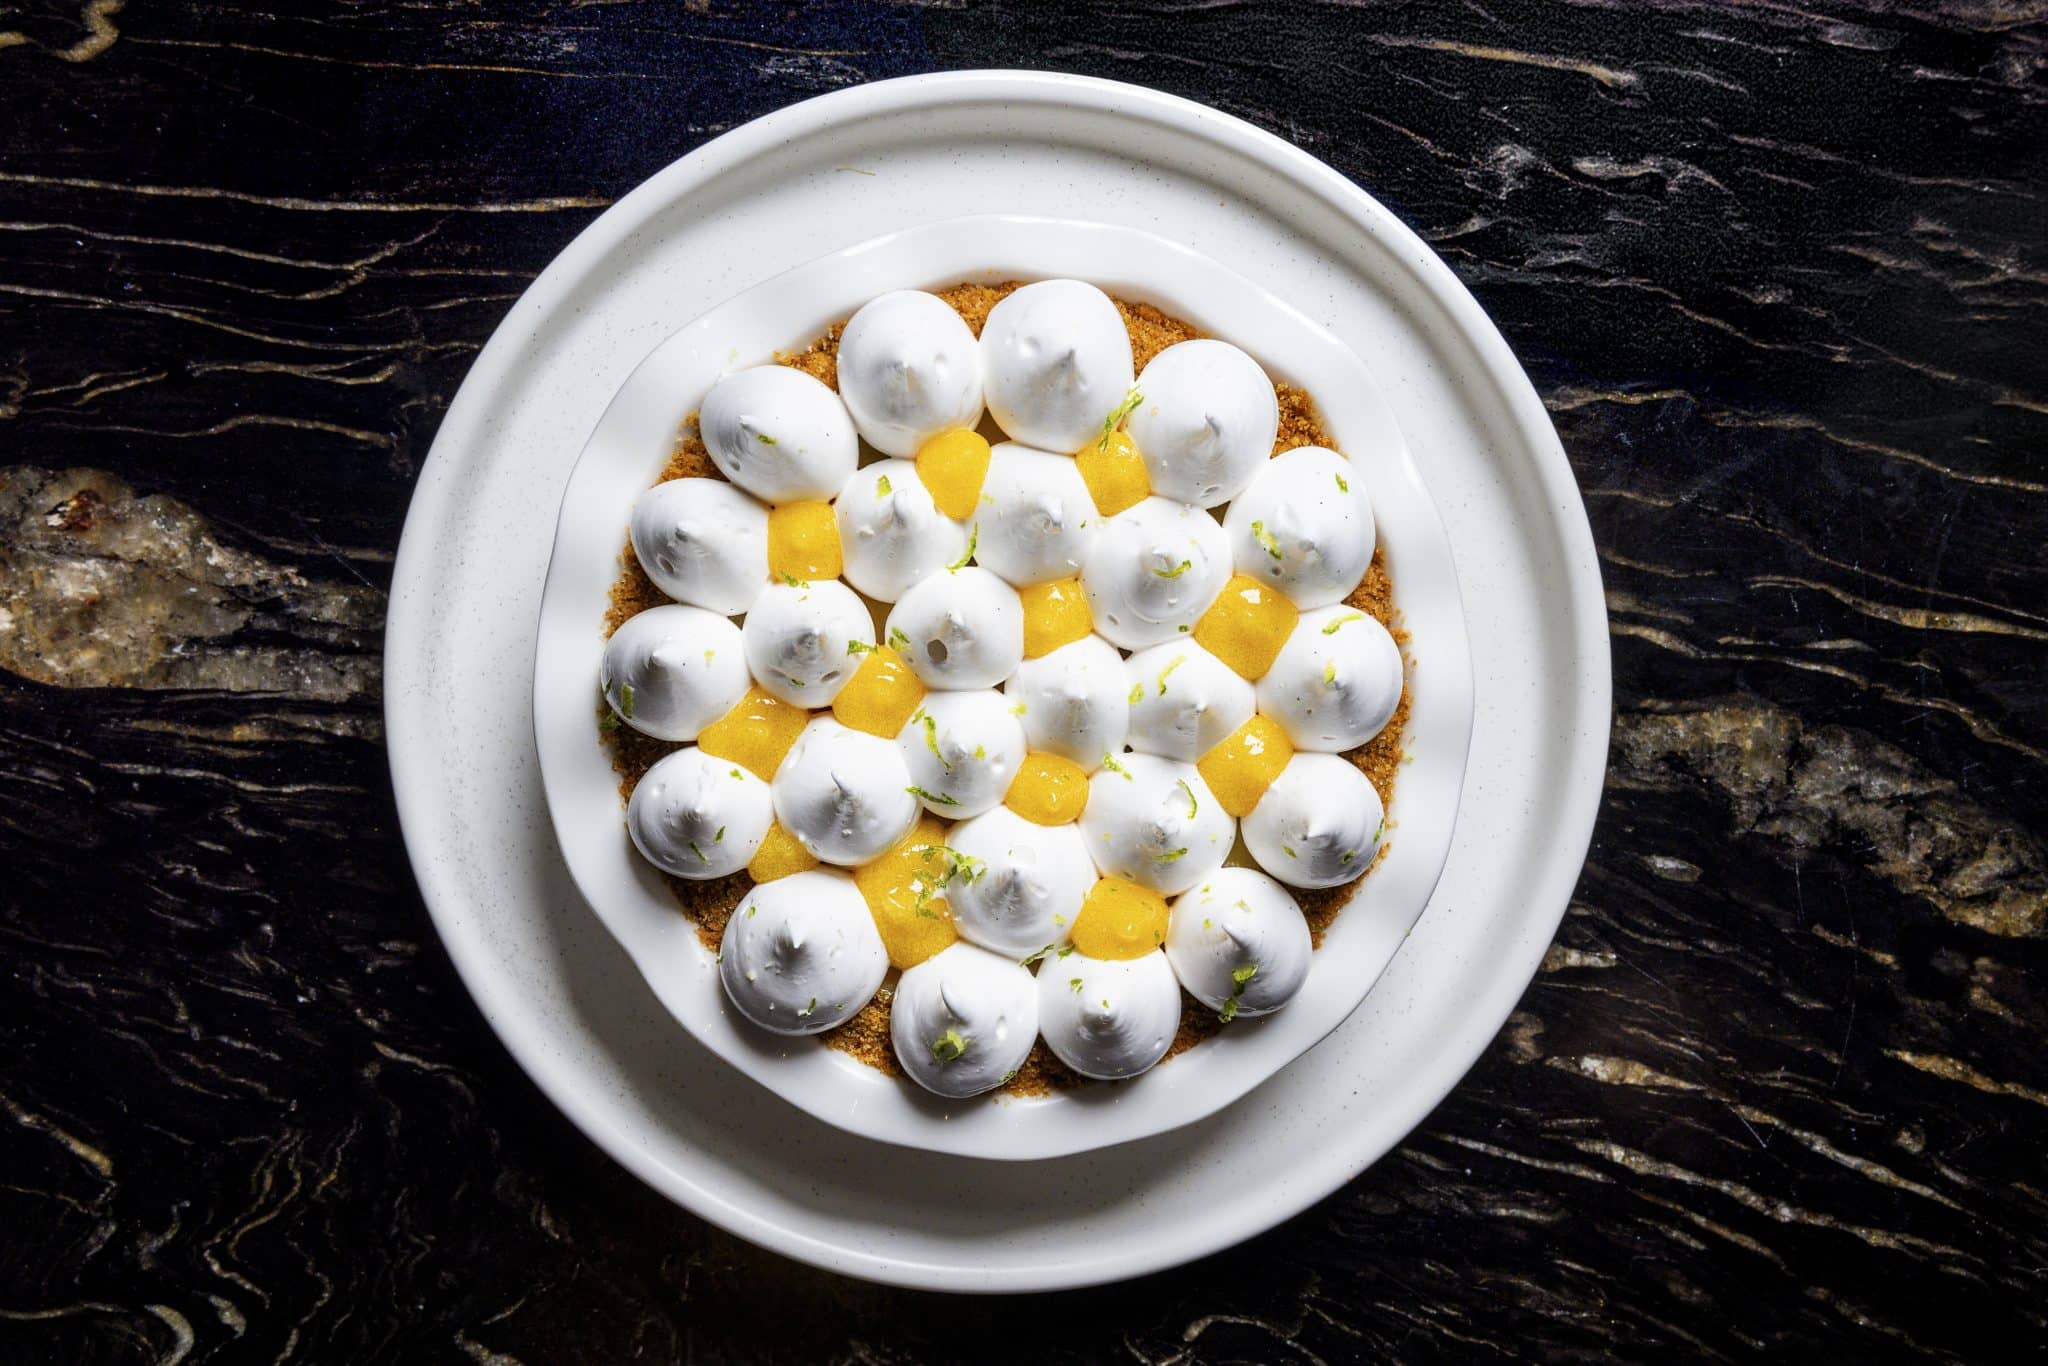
[1153,268]
[1521,408]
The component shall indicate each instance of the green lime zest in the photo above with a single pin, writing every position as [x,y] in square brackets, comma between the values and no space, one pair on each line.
[1132,398]
[1341,622]
[626,700]
[1343,486]
[764,438]
[1265,538]
[966,867]
[881,486]
[1074,983]
[1178,660]
[808,1009]
[948,1046]
[859,647]
[899,642]
[1183,567]
[1109,762]
[1238,978]
[1137,693]
[931,739]
[1193,805]
[939,797]
[973,540]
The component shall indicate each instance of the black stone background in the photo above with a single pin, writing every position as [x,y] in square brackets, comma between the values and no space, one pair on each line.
[1779,272]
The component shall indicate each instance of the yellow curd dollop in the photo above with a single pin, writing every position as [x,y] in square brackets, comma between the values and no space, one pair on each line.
[755,734]
[1247,625]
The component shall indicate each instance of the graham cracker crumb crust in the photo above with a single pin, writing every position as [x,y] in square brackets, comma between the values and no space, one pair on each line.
[710,904]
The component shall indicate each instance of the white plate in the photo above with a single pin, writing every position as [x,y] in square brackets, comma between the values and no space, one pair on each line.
[568,1002]
[633,442]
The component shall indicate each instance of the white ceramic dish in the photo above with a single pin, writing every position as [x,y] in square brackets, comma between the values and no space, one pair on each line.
[626,453]
[564,997]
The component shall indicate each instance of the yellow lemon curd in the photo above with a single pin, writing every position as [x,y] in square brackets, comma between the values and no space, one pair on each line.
[780,856]
[1055,614]
[1247,625]
[755,734]
[880,696]
[1114,473]
[1244,764]
[953,466]
[1049,789]
[902,891]
[803,541]
[1120,919]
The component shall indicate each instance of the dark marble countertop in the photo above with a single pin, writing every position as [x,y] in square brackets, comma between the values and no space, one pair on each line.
[1780,273]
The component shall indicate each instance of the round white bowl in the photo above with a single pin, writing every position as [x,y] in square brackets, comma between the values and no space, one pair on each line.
[627,451]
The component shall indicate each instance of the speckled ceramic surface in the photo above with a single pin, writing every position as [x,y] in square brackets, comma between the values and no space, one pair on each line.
[625,454]
[569,1003]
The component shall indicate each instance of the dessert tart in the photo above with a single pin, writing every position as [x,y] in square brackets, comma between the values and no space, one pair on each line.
[1008,684]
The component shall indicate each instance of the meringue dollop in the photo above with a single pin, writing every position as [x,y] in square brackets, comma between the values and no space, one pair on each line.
[1318,825]
[1152,570]
[963,628]
[698,817]
[1184,700]
[1206,421]
[843,793]
[797,637]
[964,1020]
[801,954]
[779,434]
[1108,1019]
[1154,822]
[703,542]
[1336,682]
[891,534]
[672,670]
[1036,515]
[1073,701]
[1016,887]
[1304,525]
[962,750]
[909,369]
[1056,362]
[1239,943]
